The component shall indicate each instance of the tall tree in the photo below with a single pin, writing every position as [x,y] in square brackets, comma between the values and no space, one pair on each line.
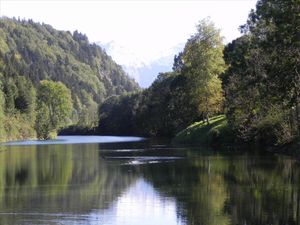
[54,106]
[2,104]
[26,98]
[275,26]
[262,82]
[203,63]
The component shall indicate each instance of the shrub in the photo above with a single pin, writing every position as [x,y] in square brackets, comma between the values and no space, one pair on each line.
[274,127]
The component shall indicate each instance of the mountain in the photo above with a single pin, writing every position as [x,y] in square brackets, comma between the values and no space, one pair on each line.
[145,74]
[144,70]
[38,51]
[31,52]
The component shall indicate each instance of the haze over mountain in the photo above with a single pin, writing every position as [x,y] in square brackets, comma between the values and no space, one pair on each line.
[147,33]
[143,70]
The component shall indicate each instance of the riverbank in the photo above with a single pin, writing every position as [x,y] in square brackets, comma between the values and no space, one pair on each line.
[214,133]
[218,134]
[78,130]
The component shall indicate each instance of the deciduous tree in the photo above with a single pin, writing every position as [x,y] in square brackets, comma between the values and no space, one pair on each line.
[203,63]
[54,107]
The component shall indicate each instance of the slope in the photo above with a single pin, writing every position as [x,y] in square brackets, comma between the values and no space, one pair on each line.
[31,52]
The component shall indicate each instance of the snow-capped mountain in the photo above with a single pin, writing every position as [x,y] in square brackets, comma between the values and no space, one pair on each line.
[144,69]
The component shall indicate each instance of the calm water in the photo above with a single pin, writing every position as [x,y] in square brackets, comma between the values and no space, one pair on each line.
[86,180]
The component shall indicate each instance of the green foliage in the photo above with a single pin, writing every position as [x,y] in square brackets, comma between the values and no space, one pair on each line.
[275,127]
[89,113]
[54,105]
[25,102]
[2,115]
[160,110]
[262,81]
[31,52]
[176,99]
[117,114]
[203,63]
[11,92]
[14,122]
[17,127]
[43,126]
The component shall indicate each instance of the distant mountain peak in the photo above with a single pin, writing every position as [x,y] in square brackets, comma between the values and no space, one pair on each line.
[144,70]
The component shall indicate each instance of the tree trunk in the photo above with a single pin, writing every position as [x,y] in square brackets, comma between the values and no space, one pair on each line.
[207,118]
[298,115]
[206,108]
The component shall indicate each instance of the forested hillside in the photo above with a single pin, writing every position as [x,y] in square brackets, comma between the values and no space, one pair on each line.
[31,52]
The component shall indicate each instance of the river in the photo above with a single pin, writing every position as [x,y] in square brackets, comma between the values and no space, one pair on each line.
[93,180]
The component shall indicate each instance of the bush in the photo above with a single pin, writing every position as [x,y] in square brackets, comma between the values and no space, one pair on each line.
[274,128]
[18,128]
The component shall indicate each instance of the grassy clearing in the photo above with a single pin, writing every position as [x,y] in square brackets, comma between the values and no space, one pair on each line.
[217,132]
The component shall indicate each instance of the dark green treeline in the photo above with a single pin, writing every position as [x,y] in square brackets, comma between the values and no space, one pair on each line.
[262,82]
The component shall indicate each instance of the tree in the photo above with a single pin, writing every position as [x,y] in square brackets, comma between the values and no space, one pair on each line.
[275,26]
[175,99]
[203,63]
[10,91]
[88,116]
[178,63]
[43,126]
[2,104]
[54,107]
[262,82]
[26,97]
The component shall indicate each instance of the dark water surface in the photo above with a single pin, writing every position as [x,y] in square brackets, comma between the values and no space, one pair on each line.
[78,181]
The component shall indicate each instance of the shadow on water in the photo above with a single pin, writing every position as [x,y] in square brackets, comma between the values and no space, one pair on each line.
[147,182]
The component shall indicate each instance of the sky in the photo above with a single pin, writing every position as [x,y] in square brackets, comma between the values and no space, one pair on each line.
[138,32]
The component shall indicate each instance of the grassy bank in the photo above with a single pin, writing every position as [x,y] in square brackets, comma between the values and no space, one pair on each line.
[217,132]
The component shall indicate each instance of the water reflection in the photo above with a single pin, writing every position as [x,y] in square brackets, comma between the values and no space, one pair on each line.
[120,184]
[140,204]
[76,139]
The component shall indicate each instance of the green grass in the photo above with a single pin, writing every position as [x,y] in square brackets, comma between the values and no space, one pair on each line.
[217,132]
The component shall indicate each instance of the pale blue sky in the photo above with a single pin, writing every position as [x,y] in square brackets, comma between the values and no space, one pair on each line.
[146,29]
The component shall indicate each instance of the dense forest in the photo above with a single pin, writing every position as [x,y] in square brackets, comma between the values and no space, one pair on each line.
[254,80]
[262,81]
[80,76]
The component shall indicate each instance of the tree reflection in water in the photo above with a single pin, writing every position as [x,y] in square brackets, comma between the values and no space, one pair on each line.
[86,182]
